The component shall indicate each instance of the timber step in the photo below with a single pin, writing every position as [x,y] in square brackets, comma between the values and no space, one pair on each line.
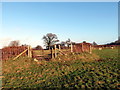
[42,57]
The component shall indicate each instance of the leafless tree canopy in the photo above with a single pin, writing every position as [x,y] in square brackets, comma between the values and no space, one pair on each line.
[14,43]
[50,39]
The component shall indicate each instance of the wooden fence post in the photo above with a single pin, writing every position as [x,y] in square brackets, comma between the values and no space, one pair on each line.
[71,47]
[29,51]
[90,49]
[52,53]
[82,48]
[55,51]
[59,48]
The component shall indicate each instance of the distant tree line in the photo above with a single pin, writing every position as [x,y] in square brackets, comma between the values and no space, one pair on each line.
[14,43]
[50,39]
[117,42]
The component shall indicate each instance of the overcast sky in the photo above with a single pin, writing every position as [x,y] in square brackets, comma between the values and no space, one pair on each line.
[88,21]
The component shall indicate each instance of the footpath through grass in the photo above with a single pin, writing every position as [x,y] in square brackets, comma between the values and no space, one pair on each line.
[72,74]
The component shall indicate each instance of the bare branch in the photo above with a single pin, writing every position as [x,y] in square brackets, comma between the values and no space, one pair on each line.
[50,39]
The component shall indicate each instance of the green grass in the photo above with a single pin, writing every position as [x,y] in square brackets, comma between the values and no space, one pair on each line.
[64,73]
[107,53]
[46,52]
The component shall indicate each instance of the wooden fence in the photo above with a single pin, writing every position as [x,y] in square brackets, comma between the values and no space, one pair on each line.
[82,47]
[74,48]
[15,52]
[100,47]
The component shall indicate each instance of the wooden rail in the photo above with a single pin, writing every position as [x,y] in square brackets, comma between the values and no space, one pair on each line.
[20,54]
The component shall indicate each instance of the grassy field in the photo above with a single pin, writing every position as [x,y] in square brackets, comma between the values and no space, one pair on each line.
[74,71]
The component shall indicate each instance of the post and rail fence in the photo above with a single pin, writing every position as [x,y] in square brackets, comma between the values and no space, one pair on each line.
[17,51]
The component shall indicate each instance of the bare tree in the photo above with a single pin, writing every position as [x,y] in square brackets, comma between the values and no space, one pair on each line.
[14,43]
[50,39]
